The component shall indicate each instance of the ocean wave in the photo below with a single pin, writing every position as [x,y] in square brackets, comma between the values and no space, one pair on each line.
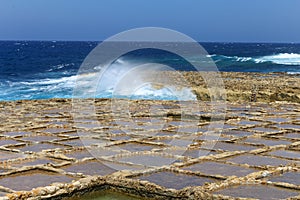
[107,87]
[293,73]
[60,66]
[130,79]
[279,59]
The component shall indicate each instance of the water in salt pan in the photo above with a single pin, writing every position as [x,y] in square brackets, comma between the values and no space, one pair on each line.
[262,192]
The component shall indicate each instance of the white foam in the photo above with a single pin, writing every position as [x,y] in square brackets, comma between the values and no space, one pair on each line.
[281,59]
[150,92]
[293,73]
[242,59]
[123,77]
[60,66]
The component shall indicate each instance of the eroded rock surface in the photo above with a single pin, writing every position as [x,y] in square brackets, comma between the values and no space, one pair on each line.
[48,149]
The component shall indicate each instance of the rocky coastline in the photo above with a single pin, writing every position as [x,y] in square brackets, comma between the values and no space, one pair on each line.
[49,150]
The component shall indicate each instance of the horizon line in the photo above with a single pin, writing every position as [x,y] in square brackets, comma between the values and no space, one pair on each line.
[242,42]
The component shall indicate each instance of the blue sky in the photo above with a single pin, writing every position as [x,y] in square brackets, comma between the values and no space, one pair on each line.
[203,20]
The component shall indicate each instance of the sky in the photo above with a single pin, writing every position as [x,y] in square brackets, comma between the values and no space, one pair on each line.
[203,20]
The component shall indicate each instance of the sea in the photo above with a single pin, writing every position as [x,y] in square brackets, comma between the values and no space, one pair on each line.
[49,69]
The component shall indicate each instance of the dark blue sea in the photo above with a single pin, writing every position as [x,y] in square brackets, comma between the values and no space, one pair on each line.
[48,69]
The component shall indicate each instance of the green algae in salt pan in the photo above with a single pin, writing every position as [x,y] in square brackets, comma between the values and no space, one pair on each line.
[105,195]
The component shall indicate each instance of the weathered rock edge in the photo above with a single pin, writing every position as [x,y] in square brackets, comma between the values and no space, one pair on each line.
[118,182]
[134,187]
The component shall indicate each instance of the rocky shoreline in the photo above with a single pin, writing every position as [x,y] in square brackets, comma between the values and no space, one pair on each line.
[255,87]
[50,149]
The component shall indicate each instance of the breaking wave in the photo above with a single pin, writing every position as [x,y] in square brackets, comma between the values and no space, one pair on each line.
[62,87]
[280,59]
